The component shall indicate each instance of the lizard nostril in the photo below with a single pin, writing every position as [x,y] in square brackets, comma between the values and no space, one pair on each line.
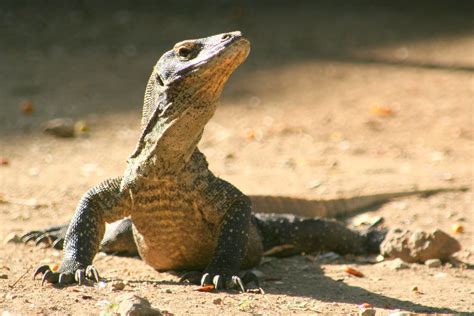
[226,36]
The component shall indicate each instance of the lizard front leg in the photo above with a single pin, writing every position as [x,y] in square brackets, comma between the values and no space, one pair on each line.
[224,267]
[102,203]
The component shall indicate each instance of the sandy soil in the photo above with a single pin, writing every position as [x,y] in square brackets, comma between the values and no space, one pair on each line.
[299,118]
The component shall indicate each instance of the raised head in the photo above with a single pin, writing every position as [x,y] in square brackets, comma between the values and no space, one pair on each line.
[182,95]
[193,72]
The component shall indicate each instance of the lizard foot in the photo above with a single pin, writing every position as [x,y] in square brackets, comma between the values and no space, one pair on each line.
[67,277]
[374,238]
[53,236]
[221,282]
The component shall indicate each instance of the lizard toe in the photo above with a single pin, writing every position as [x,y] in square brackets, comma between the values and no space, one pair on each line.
[206,279]
[92,273]
[193,277]
[236,282]
[223,282]
[50,236]
[50,277]
[219,282]
[41,270]
[65,278]
[30,236]
[44,238]
[58,244]
[80,276]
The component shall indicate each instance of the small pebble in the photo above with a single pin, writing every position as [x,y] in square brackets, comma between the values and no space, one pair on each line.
[398,264]
[117,286]
[433,263]
[217,301]
[61,127]
[367,312]
[457,228]
[3,276]
[131,304]
[81,127]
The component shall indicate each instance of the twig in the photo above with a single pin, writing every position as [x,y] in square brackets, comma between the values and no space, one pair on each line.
[21,277]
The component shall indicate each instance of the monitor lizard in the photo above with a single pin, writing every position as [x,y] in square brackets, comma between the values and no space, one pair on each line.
[171,209]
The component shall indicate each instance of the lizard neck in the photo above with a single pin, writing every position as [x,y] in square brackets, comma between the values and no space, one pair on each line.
[168,141]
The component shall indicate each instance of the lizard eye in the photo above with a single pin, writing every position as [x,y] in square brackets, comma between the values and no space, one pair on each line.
[226,37]
[187,50]
[184,51]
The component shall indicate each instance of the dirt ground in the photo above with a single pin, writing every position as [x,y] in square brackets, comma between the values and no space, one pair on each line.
[336,98]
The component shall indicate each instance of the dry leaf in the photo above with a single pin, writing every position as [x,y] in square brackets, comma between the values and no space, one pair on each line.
[381,111]
[457,228]
[354,272]
[205,288]
[26,107]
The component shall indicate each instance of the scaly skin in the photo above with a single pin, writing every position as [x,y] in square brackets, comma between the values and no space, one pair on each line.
[182,216]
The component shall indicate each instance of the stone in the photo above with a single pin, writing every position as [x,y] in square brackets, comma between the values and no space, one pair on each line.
[60,127]
[397,264]
[117,286]
[367,312]
[433,263]
[418,246]
[133,305]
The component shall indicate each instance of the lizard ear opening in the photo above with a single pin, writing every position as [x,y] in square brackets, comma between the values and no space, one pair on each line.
[159,80]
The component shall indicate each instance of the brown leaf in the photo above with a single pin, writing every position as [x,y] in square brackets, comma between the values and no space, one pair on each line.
[381,111]
[26,107]
[354,272]
[205,288]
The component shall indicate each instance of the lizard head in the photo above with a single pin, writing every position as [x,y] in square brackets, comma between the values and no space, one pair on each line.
[182,95]
[193,72]
[202,63]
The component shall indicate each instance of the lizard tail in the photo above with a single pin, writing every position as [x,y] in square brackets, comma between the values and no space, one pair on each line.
[333,208]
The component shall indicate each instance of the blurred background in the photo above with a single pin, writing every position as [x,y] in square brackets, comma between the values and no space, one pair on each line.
[335,98]
[81,57]
[330,91]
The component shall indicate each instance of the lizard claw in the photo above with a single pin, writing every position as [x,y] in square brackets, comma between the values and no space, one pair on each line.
[79,276]
[30,236]
[92,273]
[67,277]
[191,277]
[64,278]
[224,282]
[58,244]
[50,277]
[44,238]
[41,270]
[51,236]
[221,282]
